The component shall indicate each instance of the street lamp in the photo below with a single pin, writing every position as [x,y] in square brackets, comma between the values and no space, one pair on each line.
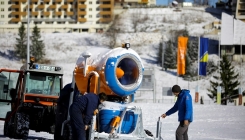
[28,33]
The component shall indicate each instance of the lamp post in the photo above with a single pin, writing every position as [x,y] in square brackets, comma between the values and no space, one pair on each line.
[28,34]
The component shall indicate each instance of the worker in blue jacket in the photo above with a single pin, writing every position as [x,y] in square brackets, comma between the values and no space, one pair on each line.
[82,111]
[185,114]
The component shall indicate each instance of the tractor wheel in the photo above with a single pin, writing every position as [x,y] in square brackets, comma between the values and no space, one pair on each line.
[21,125]
[67,133]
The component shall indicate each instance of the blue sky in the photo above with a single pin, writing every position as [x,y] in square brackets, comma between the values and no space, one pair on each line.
[165,2]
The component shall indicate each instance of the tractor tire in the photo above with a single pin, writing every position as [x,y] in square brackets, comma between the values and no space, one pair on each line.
[21,125]
[67,134]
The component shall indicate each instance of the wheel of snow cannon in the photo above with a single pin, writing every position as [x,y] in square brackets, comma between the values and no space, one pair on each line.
[21,125]
[148,132]
[8,127]
[67,132]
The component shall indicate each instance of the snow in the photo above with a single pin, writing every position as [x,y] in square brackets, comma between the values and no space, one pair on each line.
[211,121]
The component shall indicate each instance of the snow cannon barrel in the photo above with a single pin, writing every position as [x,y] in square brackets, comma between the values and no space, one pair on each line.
[120,71]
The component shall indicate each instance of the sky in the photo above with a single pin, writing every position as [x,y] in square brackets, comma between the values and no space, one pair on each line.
[166,2]
[211,121]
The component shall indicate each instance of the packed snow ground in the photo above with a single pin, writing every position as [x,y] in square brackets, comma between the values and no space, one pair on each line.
[211,122]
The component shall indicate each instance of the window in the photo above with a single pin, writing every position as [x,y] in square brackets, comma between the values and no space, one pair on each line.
[2,9]
[97,2]
[39,83]
[2,16]
[2,2]
[90,2]
[90,9]
[90,16]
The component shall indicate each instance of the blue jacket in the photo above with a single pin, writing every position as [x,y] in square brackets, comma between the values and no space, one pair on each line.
[183,105]
[87,104]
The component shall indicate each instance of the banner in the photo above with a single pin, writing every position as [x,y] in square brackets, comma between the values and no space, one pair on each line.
[203,48]
[182,45]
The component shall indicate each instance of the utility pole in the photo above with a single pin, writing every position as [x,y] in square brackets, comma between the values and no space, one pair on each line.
[28,34]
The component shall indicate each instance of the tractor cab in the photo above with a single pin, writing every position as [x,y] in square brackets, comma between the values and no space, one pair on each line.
[28,98]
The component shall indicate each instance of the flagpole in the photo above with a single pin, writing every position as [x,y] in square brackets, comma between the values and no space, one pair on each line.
[198,68]
[198,60]
[241,63]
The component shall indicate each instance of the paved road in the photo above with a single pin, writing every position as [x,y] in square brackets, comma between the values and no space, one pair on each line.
[32,134]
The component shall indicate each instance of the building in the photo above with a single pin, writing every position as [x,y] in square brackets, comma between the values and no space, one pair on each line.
[134,3]
[57,15]
[238,9]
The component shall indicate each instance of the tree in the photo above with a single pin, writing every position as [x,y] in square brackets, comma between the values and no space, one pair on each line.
[37,47]
[20,47]
[227,79]
[160,51]
[192,46]
[169,56]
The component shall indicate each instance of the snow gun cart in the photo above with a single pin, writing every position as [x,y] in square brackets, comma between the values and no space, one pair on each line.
[118,73]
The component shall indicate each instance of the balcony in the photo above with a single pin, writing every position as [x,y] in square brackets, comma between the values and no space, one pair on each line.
[69,0]
[82,19]
[15,13]
[105,6]
[64,6]
[82,6]
[69,13]
[15,20]
[45,13]
[31,6]
[46,1]
[34,13]
[14,0]
[81,1]
[57,13]
[105,20]
[105,12]
[34,1]
[15,6]
[58,0]
[81,13]
[52,6]
[40,6]
[104,0]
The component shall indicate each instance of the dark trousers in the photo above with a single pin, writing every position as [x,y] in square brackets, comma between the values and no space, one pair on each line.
[182,131]
[61,115]
[77,125]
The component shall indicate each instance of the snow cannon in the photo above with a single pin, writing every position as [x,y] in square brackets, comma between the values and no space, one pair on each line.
[116,72]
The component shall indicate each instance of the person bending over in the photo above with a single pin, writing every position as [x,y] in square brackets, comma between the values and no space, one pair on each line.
[81,112]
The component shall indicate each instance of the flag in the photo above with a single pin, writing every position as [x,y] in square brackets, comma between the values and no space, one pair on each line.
[182,45]
[203,48]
